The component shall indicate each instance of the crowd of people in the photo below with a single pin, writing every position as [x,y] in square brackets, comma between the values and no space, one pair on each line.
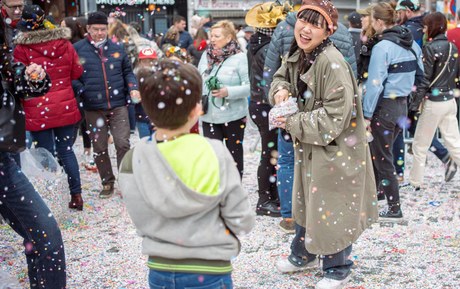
[333,106]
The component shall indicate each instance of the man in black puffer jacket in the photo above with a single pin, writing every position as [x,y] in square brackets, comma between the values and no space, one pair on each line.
[20,205]
[105,87]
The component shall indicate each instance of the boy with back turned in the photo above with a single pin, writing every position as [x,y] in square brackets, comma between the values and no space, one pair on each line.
[183,191]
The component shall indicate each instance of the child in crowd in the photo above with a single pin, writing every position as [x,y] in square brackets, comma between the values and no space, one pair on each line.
[147,59]
[187,212]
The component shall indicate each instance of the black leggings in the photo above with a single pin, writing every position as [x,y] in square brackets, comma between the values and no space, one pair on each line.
[233,134]
[266,172]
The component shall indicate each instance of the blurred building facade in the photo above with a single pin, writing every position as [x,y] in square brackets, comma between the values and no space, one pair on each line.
[156,15]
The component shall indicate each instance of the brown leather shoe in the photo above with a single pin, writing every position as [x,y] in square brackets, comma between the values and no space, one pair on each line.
[287,225]
[76,202]
[107,191]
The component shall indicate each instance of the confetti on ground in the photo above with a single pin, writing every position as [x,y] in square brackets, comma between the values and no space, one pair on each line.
[103,250]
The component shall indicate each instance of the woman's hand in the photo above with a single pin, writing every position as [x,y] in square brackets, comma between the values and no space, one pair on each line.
[281,122]
[220,93]
[135,96]
[35,72]
[368,124]
[281,95]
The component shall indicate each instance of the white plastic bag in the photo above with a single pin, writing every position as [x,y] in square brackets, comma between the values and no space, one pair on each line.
[8,282]
[39,162]
[47,177]
[283,109]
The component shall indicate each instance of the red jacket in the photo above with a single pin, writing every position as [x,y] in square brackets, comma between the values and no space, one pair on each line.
[453,35]
[52,50]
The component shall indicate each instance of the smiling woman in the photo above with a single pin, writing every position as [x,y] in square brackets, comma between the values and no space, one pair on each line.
[333,175]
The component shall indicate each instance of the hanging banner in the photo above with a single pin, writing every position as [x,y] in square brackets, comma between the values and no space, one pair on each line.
[135,2]
[228,4]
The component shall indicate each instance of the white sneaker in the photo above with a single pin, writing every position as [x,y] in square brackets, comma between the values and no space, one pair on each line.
[327,283]
[285,266]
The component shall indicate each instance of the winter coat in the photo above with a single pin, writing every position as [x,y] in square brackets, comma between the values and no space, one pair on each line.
[395,66]
[365,57]
[415,25]
[356,36]
[435,56]
[13,89]
[334,191]
[343,40]
[234,76]
[108,77]
[257,50]
[52,50]
[282,39]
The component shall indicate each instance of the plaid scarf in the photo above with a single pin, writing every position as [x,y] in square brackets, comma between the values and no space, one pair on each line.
[265,31]
[216,55]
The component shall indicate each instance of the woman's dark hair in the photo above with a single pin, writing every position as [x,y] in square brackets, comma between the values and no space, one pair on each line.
[78,32]
[200,36]
[313,17]
[436,24]
[170,91]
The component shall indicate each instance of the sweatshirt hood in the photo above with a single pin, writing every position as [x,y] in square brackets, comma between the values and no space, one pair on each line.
[399,35]
[162,188]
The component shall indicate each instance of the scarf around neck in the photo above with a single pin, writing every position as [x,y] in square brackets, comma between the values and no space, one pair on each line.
[217,56]
[307,60]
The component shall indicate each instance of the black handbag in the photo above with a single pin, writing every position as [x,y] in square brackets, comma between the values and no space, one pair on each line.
[12,122]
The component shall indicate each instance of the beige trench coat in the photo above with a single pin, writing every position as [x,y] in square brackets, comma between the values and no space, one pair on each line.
[334,192]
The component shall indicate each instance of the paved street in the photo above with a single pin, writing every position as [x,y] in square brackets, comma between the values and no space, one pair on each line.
[103,250]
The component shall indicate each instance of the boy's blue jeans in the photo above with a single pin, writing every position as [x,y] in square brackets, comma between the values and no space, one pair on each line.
[144,129]
[173,280]
[24,210]
[285,175]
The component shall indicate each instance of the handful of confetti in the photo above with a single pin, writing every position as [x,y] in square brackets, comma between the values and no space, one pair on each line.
[34,76]
[283,109]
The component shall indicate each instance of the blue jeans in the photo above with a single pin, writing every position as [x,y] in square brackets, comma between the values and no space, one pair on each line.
[173,280]
[285,175]
[336,266]
[60,140]
[24,210]
[132,117]
[144,129]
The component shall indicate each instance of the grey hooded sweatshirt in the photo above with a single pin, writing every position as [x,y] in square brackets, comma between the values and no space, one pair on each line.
[184,230]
